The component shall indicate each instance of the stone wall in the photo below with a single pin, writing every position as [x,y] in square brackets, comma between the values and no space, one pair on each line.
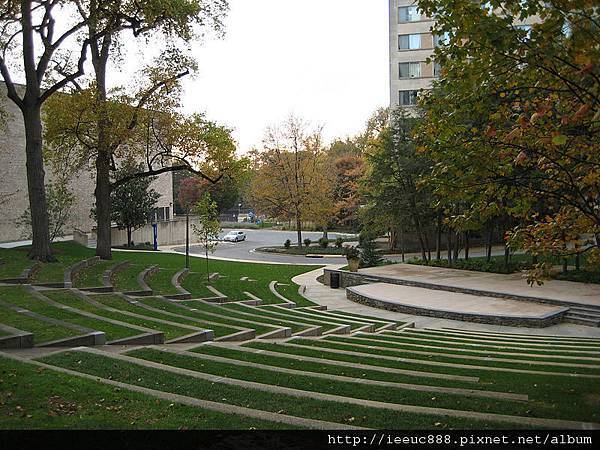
[13,179]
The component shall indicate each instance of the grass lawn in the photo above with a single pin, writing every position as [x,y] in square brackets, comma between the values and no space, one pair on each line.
[18,296]
[219,392]
[335,387]
[160,282]
[67,254]
[67,298]
[13,261]
[228,311]
[92,276]
[434,339]
[119,303]
[215,315]
[315,315]
[394,343]
[284,316]
[369,319]
[126,279]
[450,359]
[35,398]
[42,331]
[562,396]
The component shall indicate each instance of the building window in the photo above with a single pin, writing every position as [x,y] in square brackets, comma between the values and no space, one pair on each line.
[409,41]
[410,70]
[408,98]
[437,69]
[408,14]
[441,39]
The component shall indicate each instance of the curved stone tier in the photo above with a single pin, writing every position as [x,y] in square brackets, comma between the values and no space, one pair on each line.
[449,305]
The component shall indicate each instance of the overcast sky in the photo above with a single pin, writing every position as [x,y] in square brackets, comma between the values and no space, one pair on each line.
[324,60]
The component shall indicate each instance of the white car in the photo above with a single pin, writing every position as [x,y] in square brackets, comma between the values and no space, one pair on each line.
[235,236]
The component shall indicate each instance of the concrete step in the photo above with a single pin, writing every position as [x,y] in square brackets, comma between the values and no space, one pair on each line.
[587,314]
[581,320]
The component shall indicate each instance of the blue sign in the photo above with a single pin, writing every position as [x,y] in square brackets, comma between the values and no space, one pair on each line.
[155,232]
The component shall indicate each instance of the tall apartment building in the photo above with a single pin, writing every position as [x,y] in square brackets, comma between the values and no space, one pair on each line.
[411,43]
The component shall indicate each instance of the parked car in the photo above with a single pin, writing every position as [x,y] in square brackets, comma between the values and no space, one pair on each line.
[235,236]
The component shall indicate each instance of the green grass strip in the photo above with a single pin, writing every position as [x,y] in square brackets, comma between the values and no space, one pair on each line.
[232,314]
[439,334]
[126,279]
[408,345]
[290,292]
[218,392]
[549,392]
[195,283]
[318,317]
[289,362]
[92,276]
[204,316]
[13,261]
[35,398]
[160,282]
[409,354]
[67,298]
[42,331]
[281,315]
[119,303]
[335,387]
[378,322]
[549,349]
[21,298]
[67,254]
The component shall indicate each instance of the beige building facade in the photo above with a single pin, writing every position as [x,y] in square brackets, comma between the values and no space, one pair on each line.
[13,181]
[411,44]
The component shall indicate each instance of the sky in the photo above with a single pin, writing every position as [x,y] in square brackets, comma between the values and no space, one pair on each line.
[323,60]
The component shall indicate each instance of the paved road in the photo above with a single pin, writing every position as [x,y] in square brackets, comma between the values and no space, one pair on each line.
[266,238]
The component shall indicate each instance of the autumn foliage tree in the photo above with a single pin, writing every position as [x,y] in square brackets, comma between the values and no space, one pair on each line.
[291,177]
[513,123]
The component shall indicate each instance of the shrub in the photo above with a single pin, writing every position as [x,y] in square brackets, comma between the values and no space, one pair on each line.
[287,243]
[351,252]
[307,242]
[369,256]
[339,242]
[323,242]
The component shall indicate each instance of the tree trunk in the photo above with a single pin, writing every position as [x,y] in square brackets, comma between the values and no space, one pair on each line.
[488,250]
[299,230]
[40,247]
[456,246]
[128,236]
[578,261]
[467,248]
[402,244]
[438,239]
[449,238]
[102,194]
[325,233]
[506,254]
[206,255]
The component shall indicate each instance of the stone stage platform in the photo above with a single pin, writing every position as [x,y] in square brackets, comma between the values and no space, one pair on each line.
[455,306]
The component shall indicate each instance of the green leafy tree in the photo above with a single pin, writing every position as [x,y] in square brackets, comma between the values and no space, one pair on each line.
[133,202]
[369,255]
[208,226]
[60,201]
[393,192]
[512,125]
[34,39]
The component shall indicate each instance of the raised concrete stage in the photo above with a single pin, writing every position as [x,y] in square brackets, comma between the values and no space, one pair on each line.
[456,306]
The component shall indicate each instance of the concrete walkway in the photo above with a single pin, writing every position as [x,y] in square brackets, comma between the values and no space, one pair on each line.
[513,284]
[336,299]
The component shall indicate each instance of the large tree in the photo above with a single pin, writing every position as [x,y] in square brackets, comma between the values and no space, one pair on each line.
[291,178]
[513,123]
[34,35]
[170,25]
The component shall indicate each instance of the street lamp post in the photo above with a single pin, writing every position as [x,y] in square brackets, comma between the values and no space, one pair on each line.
[187,238]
